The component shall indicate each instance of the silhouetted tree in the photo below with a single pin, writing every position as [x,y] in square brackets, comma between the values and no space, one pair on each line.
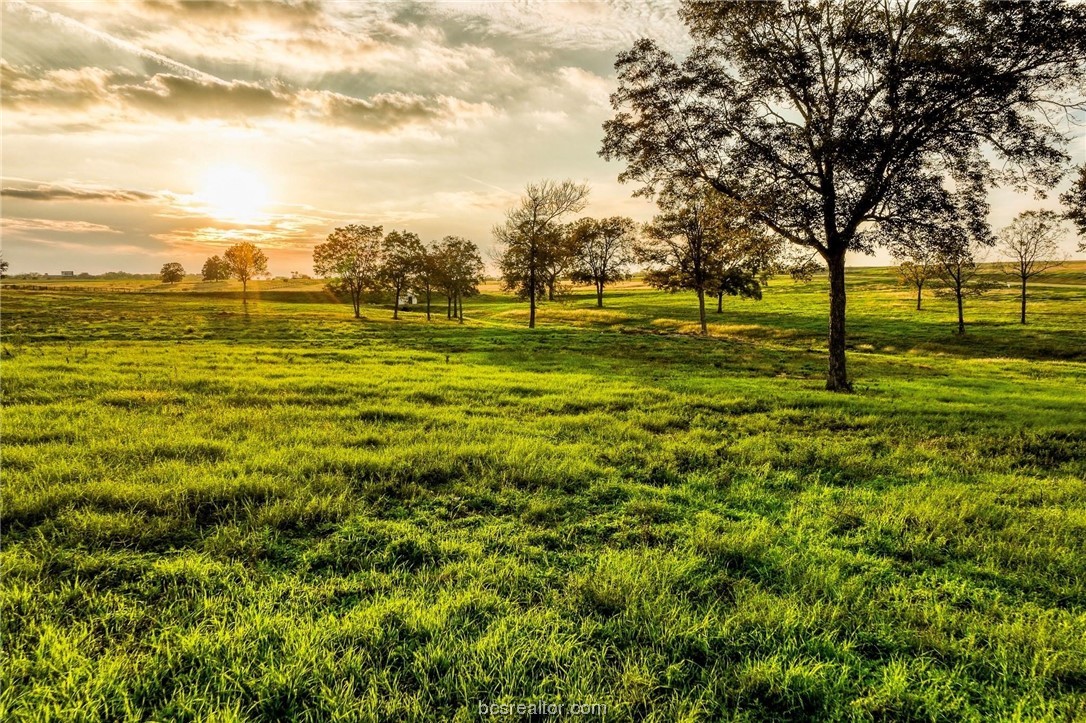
[172,272]
[532,236]
[428,276]
[957,270]
[245,261]
[3,266]
[402,252]
[1032,241]
[215,269]
[1074,201]
[916,263]
[604,251]
[825,117]
[351,257]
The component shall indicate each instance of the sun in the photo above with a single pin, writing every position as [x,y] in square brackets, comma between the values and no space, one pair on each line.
[232,193]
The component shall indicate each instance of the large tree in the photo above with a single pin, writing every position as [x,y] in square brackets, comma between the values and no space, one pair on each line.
[351,258]
[1074,201]
[245,262]
[532,235]
[825,118]
[1032,243]
[402,253]
[604,251]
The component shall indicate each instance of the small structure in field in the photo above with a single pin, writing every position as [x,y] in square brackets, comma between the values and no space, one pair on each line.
[67,273]
[407,299]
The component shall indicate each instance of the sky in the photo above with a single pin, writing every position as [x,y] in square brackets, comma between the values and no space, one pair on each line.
[141,132]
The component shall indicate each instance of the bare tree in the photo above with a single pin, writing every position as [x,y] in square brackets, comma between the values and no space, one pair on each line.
[1032,241]
[824,118]
[401,255]
[604,251]
[532,236]
[351,257]
[245,262]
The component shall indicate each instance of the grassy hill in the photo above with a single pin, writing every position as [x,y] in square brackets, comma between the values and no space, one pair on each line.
[268,511]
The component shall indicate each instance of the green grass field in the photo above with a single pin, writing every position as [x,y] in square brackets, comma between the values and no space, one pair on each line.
[272,511]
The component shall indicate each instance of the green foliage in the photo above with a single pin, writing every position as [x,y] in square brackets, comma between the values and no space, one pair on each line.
[172,272]
[290,515]
[215,269]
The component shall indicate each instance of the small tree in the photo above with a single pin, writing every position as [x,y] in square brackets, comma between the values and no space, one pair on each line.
[916,263]
[1074,200]
[401,252]
[561,256]
[699,243]
[215,269]
[463,270]
[172,272]
[956,269]
[351,258]
[1032,241]
[532,236]
[604,251]
[3,266]
[429,273]
[245,261]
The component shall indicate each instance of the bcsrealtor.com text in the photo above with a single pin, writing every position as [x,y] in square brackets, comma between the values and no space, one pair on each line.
[543,708]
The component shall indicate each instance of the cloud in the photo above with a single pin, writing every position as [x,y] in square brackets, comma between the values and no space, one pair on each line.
[47,224]
[53,192]
[106,98]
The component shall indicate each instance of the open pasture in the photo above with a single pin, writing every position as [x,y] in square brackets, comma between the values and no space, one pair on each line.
[273,511]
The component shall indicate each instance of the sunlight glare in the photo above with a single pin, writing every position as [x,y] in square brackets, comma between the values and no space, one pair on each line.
[231,193]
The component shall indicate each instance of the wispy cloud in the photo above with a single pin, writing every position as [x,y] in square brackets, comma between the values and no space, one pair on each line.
[54,192]
[10,225]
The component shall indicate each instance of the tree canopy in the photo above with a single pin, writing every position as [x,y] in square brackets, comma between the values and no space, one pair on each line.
[245,262]
[532,237]
[827,119]
[351,258]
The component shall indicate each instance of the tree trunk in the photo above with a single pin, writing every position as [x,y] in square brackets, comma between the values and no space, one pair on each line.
[1023,301]
[720,303]
[356,299]
[396,304]
[550,290]
[531,290]
[448,306]
[919,290]
[599,294]
[244,289]
[837,378]
[961,313]
[701,312]
[460,303]
[427,305]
